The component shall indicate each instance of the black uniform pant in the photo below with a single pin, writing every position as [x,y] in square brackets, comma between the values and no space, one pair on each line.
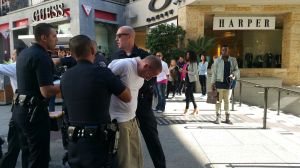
[148,127]
[9,159]
[87,153]
[36,134]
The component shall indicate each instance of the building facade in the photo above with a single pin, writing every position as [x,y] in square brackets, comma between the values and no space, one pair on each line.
[263,35]
[97,19]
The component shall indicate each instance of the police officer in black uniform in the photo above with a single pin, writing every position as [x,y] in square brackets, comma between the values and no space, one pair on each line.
[35,85]
[86,90]
[147,121]
[10,158]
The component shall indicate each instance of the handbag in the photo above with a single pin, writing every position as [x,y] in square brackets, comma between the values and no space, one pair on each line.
[212,97]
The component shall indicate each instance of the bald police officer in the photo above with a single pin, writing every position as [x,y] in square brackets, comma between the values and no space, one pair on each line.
[86,90]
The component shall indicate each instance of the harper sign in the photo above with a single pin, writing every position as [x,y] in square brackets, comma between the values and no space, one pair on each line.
[244,23]
[48,12]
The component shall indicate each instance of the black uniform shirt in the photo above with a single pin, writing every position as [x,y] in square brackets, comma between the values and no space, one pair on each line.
[34,69]
[86,90]
[68,61]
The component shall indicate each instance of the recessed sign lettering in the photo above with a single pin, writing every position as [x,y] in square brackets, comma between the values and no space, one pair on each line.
[48,12]
[244,23]
[152,7]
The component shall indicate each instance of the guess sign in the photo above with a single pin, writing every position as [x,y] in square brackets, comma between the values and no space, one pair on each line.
[48,12]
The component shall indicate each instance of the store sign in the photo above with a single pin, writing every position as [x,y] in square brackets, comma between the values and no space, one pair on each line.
[159,16]
[48,12]
[153,8]
[244,23]
[87,9]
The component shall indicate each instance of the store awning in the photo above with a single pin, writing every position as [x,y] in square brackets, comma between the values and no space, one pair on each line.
[63,39]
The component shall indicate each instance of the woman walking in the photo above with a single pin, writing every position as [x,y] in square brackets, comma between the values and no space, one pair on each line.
[202,69]
[190,80]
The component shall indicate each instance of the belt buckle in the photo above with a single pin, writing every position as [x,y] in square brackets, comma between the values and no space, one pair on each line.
[22,99]
[71,132]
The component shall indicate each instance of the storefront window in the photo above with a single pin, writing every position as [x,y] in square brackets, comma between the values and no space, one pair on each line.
[11,5]
[105,38]
[252,48]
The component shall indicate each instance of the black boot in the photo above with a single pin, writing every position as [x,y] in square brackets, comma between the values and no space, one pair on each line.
[218,119]
[227,121]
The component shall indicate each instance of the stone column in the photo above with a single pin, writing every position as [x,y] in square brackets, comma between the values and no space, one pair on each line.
[191,19]
[290,48]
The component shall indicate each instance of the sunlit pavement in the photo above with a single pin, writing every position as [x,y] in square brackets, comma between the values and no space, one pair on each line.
[192,141]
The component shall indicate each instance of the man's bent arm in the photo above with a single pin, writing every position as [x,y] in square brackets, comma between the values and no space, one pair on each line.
[125,96]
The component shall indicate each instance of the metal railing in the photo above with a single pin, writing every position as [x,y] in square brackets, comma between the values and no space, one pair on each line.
[266,91]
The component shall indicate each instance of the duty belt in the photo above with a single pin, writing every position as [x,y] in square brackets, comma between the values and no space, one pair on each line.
[96,131]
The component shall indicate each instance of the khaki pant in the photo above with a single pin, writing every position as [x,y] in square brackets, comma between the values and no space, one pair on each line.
[129,153]
[224,94]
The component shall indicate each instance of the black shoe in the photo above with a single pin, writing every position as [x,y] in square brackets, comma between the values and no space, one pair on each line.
[65,158]
[228,122]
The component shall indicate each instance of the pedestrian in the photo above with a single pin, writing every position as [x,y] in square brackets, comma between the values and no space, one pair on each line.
[173,78]
[9,159]
[224,70]
[190,80]
[161,83]
[180,64]
[202,68]
[87,102]
[132,72]
[125,40]
[35,87]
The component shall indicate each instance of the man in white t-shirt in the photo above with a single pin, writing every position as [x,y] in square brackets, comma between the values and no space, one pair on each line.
[132,72]
[161,83]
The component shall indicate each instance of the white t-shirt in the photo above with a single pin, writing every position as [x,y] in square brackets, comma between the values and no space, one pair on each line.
[126,69]
[165,71]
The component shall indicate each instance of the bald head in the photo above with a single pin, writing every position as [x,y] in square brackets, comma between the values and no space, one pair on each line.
[129,30]
[125,38]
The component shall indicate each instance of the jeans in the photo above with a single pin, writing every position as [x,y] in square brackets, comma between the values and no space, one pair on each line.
[52,104]
[161,96]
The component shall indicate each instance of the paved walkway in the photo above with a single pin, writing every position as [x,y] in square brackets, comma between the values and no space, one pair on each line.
[194,141]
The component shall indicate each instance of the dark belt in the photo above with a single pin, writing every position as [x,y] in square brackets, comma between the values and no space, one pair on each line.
[23,99]
[94,131]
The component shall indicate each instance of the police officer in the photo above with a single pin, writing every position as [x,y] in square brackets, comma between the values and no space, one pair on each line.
[10,158]
[35,85]
[125,40]
[86,90]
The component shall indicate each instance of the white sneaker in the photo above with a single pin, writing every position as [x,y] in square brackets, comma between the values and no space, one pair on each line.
[160,111]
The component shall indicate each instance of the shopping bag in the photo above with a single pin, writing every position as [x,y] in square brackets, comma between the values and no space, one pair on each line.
[212,97]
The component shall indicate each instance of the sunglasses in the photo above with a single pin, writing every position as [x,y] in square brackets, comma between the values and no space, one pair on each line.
[121,34]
